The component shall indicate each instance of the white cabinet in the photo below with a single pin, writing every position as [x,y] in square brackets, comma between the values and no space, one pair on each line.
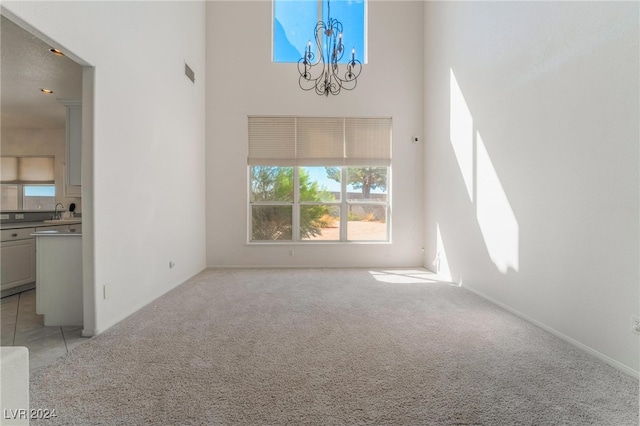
[73,159]
[52,228]
[59,289]
[76,227]
[18,254]
[72,227]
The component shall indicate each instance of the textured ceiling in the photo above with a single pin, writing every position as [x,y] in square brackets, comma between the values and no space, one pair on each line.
[27,66]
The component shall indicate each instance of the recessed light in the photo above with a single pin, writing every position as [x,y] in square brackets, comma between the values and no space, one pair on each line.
[47,91]
[55,51]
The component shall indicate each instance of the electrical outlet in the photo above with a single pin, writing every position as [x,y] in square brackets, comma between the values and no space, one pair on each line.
[171,264]
[19,216]
[635,324]
[291,252]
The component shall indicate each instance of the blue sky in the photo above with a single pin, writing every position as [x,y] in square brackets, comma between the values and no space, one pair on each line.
[40,190]
[320,175]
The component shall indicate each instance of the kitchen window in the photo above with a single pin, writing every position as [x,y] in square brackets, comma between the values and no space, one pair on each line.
[319,179]
[28,197]
[27,183]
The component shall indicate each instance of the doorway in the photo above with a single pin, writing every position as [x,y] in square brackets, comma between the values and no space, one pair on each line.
[31,112]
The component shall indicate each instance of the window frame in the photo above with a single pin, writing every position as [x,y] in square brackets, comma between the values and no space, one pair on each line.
[296,204]
[292,142]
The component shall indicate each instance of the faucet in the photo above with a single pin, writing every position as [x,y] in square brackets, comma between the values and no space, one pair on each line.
[56,216]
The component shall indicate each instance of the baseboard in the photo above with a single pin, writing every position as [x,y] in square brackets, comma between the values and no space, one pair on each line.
[377,267]
[612,362]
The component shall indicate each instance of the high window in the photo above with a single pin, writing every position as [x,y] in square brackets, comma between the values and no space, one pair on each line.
[319,179]
[294,23]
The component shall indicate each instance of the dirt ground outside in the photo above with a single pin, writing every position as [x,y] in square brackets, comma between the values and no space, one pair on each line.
[356,231]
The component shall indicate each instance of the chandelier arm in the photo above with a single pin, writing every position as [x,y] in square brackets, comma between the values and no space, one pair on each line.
[335,88]
[309,82]
[320,29]
[302,68]
[349,81]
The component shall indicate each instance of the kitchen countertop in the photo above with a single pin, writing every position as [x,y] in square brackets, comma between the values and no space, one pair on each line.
[19,225]
[57,233]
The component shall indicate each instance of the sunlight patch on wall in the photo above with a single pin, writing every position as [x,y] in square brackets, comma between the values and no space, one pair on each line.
[498,224]
[441,263]
[497,221]
[461,133]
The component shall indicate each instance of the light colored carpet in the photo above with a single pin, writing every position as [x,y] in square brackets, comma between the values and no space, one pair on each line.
[329,347]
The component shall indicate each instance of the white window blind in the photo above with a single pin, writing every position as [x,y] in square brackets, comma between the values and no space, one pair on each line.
[9,169]
[33,170]
[272,142]
[319,141]
[367,142]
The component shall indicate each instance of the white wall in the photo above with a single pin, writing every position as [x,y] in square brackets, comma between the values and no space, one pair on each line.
[542,119]
[45,142]
[148,140]
[242,80]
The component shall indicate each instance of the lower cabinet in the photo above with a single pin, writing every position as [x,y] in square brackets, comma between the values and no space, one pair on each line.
[18,262]
[18,254]
[59,271]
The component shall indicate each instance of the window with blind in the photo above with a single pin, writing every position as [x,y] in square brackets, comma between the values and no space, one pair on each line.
[27,183]
[319,179]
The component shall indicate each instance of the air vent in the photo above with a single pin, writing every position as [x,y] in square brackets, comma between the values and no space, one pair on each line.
[189,73]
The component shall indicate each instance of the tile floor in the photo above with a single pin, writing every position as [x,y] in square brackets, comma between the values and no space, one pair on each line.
[21,326]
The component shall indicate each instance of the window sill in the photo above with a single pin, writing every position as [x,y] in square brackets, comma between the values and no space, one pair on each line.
[315,243]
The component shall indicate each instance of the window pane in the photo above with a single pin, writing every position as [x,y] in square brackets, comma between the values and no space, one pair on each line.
[367,222]
[271,223]
[9,199]
[39,197]
[320,222]
[271,184]
[367,183]
[293,25]
[319,184]
[351,14]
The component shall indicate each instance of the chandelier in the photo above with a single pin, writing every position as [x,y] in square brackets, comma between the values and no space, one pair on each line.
[324,74]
